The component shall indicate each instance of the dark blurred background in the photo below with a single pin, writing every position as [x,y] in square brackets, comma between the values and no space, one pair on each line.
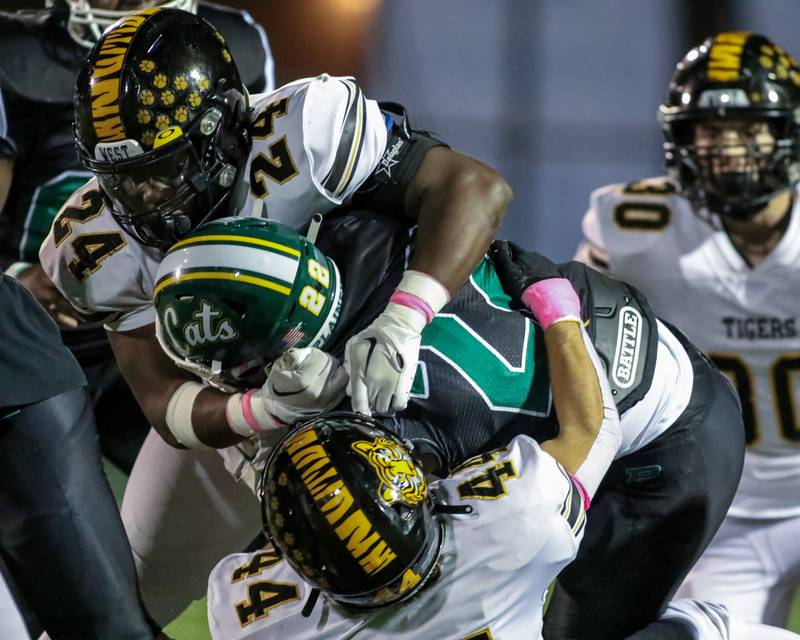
[559,95]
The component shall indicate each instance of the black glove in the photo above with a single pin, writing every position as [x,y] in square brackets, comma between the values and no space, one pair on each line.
[518,269]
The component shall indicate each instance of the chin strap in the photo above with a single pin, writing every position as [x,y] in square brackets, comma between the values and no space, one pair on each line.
[311,602]
[452,509]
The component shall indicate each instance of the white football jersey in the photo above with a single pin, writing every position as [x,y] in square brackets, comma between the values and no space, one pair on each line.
[315,141]
[745,318]
[496,565]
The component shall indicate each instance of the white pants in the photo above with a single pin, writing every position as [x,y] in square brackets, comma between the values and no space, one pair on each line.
[183,512]
[709,621]
[11,625]
[752,567]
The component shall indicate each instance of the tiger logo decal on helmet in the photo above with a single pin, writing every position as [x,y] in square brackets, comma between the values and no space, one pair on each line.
[401,479]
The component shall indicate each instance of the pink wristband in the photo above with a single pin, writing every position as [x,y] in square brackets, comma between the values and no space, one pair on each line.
[586,500]
[247,411]
[551,300]
[413,302]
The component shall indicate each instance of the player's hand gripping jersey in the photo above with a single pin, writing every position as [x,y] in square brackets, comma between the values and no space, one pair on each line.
[745,318]
[482,377]
[673,403]
[315,142]
[526,523]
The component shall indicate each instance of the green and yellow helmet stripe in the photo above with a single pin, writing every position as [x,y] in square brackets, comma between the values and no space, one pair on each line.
[240,240]
[258,259]
[235,276]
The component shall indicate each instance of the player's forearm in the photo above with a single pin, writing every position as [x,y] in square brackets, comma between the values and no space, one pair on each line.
[589,431]
[458,211]
[576,393]
[173,400]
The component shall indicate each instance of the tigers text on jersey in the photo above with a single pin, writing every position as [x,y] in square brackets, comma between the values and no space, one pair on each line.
[745,318]
[497,563]
[315,141]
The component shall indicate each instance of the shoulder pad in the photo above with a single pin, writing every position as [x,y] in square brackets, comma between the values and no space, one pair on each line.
[622,328]
[247,41]
[38,60]
[96,266]
[518,482]
[628,219]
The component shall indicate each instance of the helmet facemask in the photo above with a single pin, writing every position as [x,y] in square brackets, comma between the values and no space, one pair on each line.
[733,167]
[86,21]
[160,196]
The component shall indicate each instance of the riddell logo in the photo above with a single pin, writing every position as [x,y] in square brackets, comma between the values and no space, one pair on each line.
[388,159]
[106,75]
[626,353]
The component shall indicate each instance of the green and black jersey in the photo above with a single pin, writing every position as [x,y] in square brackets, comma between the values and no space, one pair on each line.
[482,376]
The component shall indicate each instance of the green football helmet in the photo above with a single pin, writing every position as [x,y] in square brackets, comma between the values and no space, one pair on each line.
[236,293]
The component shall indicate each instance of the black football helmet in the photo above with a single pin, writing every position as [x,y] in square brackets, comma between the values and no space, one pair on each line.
[744,78]
[348,507]
[160,118]
[85,20]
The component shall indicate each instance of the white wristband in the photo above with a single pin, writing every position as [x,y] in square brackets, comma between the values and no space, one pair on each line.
[426,288]
[248,415]
[179,415]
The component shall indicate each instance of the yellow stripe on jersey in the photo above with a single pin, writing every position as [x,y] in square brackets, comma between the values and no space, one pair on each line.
[238,240]
[219,275]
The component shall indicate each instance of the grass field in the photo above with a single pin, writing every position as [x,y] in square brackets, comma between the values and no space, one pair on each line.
[192,625]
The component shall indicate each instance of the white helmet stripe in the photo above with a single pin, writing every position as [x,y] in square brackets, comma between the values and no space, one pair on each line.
[234,257]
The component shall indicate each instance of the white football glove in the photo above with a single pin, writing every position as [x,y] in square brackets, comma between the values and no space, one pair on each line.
[382,359]
[303,383]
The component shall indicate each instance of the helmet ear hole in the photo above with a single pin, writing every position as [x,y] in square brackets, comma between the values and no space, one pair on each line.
[238,307]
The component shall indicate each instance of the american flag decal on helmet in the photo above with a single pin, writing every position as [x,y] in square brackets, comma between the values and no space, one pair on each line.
[291,338]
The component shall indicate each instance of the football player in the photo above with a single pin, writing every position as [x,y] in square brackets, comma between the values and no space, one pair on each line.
[350,514]
[40,54]
[715,247]
[164,122]
[230,292]
[60,532]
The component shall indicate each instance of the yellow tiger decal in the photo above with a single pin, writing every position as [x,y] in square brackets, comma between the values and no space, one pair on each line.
[401,479]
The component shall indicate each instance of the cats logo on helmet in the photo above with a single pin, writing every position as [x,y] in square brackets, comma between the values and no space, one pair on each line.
[256,287]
